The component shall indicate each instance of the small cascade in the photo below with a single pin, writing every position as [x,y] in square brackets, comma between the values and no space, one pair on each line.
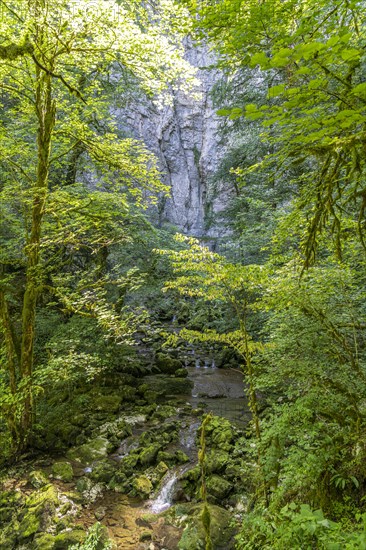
[197,363]
[188,437]
[164,499]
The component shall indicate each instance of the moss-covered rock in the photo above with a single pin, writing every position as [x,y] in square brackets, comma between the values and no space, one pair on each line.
[95,449]
[169,385]
[167,364]
[148,455]
[221,532]
[181,457]
[181,373]
[63,541]
[63,471]
[44,541]
[217,460]
[10,501]
[219,433]
[218,487]
[103,471]
[107,403]
[40,511]
[38,479]
[142,486]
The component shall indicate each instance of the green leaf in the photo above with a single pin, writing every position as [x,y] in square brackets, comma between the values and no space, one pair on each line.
[276,90]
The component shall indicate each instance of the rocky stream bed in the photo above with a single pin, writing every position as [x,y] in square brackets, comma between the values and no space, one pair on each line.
[135,471]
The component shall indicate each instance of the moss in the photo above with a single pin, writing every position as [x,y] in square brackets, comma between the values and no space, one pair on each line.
[103,471]
[63,471]
[44,541]
[181,457]
[38,479]
[166,364]
[148,455]
[93,450]
[107,403]
[219,433]
[47,494]
[63,541]
[30,524]
[221,532]
[218,487]
[142,486]
[217,460]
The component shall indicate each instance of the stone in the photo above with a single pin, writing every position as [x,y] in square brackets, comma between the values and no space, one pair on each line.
[95,449]
[100,513]
[167,364]
[181,457]
[44,541]
[218,487]
[103,471]
[38,479]
[107,403]
[181,373]
[142,486]
[217,460]
[169,385]
[63,471]
[63,541]
[148,455]
[221,531]
[145,535]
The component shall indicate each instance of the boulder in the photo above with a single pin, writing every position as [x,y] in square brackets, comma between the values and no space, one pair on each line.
[95,449]
[218,487]
[167,364]
[63,471]
[38,479]
[142,486]
[221,531]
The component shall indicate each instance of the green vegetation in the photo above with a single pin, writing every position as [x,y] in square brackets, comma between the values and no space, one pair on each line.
[101,313]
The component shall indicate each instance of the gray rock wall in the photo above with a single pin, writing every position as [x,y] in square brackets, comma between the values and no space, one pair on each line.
[184,139]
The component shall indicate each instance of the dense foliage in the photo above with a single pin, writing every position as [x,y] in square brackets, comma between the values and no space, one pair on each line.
[84,275]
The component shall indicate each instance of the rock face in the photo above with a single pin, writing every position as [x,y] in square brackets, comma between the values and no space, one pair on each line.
[184,139]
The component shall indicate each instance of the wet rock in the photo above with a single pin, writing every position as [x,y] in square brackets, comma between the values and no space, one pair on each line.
[63,471]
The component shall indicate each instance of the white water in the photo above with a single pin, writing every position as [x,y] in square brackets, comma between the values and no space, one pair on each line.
[164,499]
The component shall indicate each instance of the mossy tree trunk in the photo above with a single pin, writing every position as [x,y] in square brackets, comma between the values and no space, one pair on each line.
[45,112]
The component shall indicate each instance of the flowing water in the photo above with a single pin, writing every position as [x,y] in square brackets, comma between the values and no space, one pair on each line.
[164,498]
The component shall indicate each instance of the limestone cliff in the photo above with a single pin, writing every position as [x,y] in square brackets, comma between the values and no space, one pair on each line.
[184,139]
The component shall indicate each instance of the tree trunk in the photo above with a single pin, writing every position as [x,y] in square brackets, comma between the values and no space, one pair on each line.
[45,110]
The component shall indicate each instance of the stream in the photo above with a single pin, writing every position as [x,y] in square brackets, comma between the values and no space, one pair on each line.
[129,520]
